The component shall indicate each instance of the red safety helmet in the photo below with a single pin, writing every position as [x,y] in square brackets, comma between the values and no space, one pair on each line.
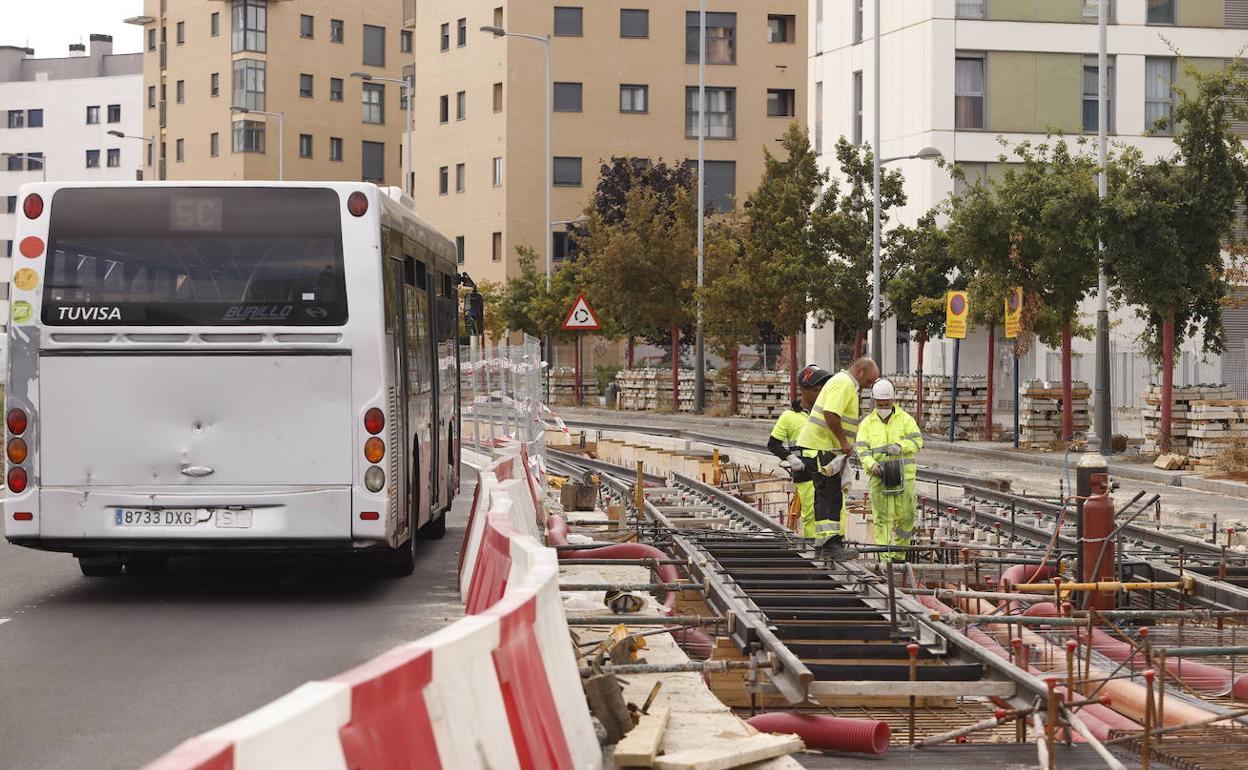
[813,377]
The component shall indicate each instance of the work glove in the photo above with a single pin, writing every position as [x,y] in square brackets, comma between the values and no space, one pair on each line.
[793,462]
[893,450]
[877,470]
[834,466]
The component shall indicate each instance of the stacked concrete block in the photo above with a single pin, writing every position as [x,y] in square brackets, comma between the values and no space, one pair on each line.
[1041,411]
[1180,408]
[972,406]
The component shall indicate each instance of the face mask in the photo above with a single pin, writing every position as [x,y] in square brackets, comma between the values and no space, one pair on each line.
[884,413]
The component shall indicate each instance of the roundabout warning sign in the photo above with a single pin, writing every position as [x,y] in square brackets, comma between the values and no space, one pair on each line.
[581,318]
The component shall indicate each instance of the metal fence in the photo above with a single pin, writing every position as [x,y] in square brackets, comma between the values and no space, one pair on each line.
[501,396]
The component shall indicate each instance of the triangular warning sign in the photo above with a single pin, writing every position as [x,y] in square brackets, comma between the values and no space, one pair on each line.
[581,318]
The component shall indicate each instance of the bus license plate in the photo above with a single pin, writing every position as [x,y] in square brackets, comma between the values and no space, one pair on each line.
[237,519]
[149,517]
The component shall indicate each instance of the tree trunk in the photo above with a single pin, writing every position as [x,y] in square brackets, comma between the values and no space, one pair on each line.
[918,385]
[631,348]
[989,433]
[1068,406]
[1167,381]
[859,339]
[734,363]
[793,367]
[675,368]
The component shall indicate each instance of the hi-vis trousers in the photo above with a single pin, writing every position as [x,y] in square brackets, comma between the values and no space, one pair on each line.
[829,500]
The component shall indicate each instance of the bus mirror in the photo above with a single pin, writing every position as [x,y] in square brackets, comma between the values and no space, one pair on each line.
[474,313]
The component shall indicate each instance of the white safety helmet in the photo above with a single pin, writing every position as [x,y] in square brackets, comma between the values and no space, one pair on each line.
[883,390]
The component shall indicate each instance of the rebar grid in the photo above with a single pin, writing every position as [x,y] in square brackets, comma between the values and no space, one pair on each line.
[1201,748]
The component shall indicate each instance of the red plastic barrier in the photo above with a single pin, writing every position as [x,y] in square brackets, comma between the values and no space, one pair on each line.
[197,754]
[390,725]
[472,516]
[824,733]
[531,710]
[489,578]
[532,485]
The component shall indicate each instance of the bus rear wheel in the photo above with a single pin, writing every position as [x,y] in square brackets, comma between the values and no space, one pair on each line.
[99,566]
[434,529]
[401,561]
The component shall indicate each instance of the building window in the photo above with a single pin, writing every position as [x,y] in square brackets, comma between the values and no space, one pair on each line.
[93,159]
[335,148]
[721,38]
[114,157]
[857,106]
[93,116]
[969,9]
[17,118]
[459,249]
[446,37]
[460,177]
[569,21]
[249,20]
[179,150]
[374,46]
[498,97]
[461,33]
[1091,90]
[248,136]
[373,162]
[634,98]
[721,184]
[34,161]
[444,108]
[461,105]
[214,24]
[567,172]
[181,32]
[1092,10]
[496,247]
[568,97]
[151,39]
[10,204]
[1160,11]
[498,172]
[405,41]
[721,113]
[305,145]
[968,87]
[374,100]
[1158,93]
[335,30]
[305,26]
[151,97]
[305,85]
[781,103]
[972,174]
[214,144]
[444,180]
[819,117]
[498,16]
[15,162]
[214,84]
[249,83]
[335,89]
[34,118]
[634,23]
[781,28]
[180,90]
[858,21]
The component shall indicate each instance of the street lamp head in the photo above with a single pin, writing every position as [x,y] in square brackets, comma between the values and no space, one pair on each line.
[117,134]
[495,31]
[929,153]
[362,75]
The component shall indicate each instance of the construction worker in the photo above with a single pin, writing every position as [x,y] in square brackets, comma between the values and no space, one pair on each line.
[887,434]
[826,442]
[784,438]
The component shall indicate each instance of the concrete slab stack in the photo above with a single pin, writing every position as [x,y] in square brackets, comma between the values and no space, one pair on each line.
[1041,411]
[1180,406]
[1214,426]
[972,407]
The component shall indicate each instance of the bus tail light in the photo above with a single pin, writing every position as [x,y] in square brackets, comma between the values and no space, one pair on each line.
[374,450]
[17,451]
[357,204]
[369,516]
[374,421]
[17,480]
[16,422]
[32,206]
[374,479]
[23,516]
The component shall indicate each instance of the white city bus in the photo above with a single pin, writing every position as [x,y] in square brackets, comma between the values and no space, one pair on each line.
[204,367]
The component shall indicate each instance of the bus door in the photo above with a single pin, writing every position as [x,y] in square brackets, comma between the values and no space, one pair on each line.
[396,348]
[422,410]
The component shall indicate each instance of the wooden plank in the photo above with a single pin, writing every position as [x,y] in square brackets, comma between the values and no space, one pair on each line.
[641,745]
[729,753]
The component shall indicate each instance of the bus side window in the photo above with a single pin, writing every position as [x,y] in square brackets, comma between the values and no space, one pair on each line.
[409,270]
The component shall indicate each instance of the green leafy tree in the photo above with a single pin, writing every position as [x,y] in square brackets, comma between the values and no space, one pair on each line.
[730,314]
[1167,223]
[527,306]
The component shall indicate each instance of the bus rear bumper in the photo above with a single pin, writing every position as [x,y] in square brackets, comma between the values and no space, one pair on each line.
[83,520]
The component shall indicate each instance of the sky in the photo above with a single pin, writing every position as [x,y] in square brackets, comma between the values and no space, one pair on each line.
[49,26]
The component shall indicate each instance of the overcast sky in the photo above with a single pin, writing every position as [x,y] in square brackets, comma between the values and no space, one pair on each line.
[49,26]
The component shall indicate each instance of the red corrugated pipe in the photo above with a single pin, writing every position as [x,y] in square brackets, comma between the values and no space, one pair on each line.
[824,733]
[557,534]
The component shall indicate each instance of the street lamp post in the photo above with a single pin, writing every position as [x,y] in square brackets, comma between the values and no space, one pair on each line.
[699,349]
[281,134]
[1103,428]
[43,164]
[407,90]
[150,141]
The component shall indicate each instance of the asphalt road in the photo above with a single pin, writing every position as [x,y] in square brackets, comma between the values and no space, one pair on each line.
[113,672]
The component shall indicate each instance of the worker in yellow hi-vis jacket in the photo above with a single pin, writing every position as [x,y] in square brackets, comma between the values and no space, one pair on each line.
[887,442]
[783,442]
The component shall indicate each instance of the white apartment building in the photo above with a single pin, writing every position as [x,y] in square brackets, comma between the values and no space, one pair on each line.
[59,111]
[958,74]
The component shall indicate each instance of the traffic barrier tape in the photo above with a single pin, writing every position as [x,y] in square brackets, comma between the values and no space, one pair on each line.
[390,725]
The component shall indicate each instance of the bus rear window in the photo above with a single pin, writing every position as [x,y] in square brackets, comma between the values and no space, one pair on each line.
[210,256]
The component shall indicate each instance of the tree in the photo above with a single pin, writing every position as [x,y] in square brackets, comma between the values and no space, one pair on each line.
[924,276]
[729,313]
[1166,224]
[527,306]
[841,290]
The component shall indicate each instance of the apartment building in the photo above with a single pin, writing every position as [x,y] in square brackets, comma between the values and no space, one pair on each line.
[625,76]
[958,74]
[55,117]
[212,69]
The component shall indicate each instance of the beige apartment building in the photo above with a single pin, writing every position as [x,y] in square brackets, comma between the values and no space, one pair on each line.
[626,77]
[202,58]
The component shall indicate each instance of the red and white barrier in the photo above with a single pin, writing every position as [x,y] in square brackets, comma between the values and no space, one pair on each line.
[498,689]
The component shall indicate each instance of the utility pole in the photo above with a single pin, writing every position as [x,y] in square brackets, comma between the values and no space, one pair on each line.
[699,351]
[1103,428]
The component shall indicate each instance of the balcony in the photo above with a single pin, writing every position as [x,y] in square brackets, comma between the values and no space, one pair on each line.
[162,112]
[409,14]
